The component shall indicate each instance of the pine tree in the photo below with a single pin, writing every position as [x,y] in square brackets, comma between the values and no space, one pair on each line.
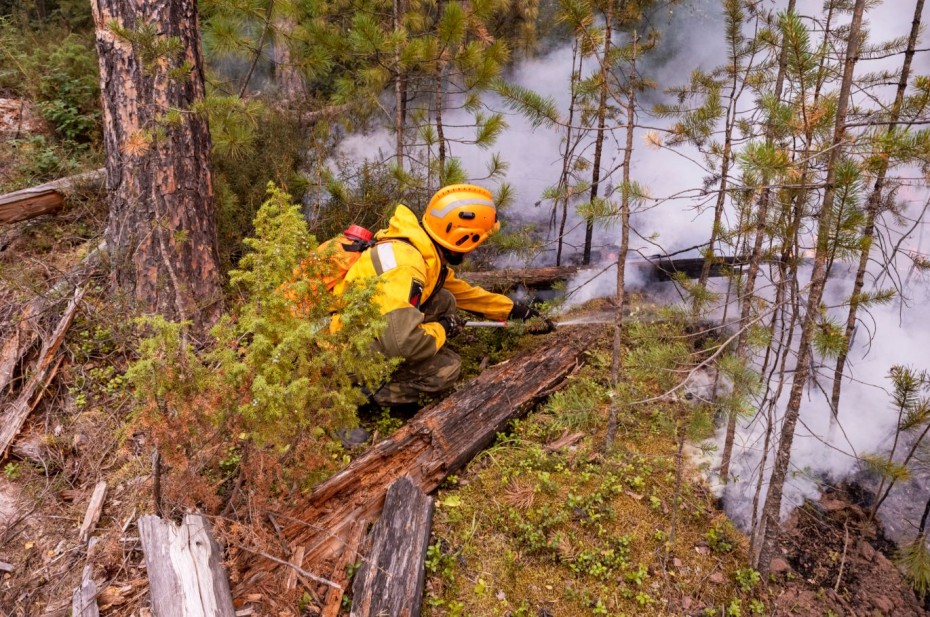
[875,202]
[161,233]
[772,508]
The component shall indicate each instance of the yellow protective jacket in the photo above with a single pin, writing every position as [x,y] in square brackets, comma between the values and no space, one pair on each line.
[411,271]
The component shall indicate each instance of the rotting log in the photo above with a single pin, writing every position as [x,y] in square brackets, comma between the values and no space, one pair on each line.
[390,579]
[437,441]
[47,198]
[47,366]
[504,280]
[185,568]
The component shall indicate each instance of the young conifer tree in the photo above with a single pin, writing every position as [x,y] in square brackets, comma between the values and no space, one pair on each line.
[772,508]
[891,134]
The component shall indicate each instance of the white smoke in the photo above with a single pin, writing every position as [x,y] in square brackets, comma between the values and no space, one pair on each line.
[678,216]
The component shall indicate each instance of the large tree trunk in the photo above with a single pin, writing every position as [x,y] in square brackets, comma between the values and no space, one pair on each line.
[772,509]
[161,232]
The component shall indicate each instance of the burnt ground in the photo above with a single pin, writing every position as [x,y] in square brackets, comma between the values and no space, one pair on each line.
[834,559]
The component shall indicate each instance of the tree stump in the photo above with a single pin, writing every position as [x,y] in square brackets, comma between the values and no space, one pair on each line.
[185,568]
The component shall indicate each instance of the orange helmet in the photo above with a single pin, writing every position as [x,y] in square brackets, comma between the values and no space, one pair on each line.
[460,217]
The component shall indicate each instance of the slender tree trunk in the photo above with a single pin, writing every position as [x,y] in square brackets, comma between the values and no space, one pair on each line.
[747,293]
[400,91]
[440,134]
[616,360]
[161,232]
[772,508]
[564,179]
[872,211]
[601,121]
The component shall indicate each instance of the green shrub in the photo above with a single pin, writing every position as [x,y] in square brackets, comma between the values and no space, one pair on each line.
[274,384]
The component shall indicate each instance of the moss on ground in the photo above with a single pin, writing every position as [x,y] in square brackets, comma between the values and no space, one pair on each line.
[531,528]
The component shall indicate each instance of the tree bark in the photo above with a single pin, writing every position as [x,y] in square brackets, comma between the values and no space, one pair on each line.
[872,211]
[390,580]
[287,76]
[772,509]
[161,232]
[436,442]
[185,568]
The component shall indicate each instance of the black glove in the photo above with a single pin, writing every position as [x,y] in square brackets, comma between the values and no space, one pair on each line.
[537,323]
[452,324]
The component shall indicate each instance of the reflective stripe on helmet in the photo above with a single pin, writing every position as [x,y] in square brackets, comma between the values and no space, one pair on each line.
[452,205]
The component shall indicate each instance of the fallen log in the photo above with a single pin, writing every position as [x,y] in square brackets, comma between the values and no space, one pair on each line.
[184,568]
[436,442]
[390,581]
[505,280]
[46,368]
[47,198]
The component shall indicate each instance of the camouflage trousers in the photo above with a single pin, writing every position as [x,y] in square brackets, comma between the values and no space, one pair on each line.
[433,376]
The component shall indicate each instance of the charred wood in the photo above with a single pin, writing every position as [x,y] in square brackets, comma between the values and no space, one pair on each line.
[390,580]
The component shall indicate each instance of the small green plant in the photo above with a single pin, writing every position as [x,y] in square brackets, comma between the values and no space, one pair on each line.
[720,538]
[11,471]
[747,579]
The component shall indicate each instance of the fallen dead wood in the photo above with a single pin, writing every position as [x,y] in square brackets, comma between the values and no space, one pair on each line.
[185,568]
[504,280]
[47,198]
[94,508]
[436,442]
[25,330]
[45,370]
[84,598]
[390,581]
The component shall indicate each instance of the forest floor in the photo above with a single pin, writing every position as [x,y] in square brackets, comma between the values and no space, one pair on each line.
[555,519]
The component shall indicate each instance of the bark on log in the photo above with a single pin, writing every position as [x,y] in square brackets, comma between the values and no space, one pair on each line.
[84,598]
[185,568]
[390,580]
[438,441]
[504,280]
[46,367]
[49,197]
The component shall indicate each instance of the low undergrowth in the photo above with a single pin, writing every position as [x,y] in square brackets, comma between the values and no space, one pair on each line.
[553,520]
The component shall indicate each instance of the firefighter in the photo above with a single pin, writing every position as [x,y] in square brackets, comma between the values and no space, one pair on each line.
[419,292]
